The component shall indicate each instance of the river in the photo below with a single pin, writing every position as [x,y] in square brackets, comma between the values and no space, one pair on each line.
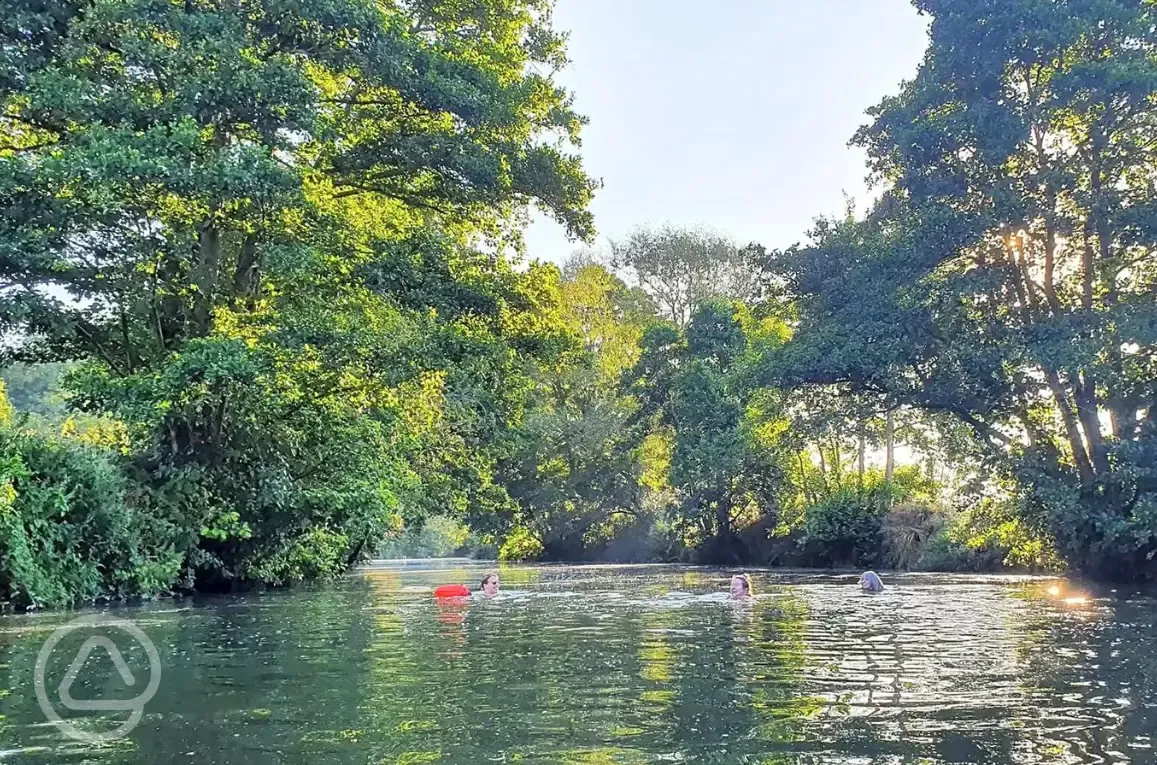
[606,664]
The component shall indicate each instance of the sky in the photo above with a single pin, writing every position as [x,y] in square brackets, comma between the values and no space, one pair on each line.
[733,114]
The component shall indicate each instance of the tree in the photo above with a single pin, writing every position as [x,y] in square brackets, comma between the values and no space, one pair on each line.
[35,388]
[682,268]
[1008,275]
[609,317]
[575,473]
[213,208]
[725,459]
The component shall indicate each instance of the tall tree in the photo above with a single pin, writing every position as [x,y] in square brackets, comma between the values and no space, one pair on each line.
[206,202]
[609,317]
[576,471]
[1009,275]
[726,456]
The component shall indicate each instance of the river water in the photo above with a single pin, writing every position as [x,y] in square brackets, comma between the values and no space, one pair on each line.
[607,664]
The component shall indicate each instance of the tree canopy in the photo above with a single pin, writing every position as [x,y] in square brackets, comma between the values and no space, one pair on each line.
[1008,274]
[271,233]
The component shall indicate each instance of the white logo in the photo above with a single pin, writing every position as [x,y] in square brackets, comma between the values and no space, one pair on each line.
[64,692]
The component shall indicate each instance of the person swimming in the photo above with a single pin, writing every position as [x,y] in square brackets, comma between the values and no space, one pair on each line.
[489,585]
[741,587]
[870,582]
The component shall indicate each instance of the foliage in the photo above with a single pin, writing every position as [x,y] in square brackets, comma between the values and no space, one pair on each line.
[35,388]
[520,544]
[315,554]
[725,457]
[575,470]
[439,536]
[264,308]
[69,532]
[870,521]
[273,235]
[681,269]
[998,525]
[7,411]
[847,527]
[607,315]
[1007,276]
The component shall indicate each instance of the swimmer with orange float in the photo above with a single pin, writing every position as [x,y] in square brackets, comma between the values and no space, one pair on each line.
[489,588]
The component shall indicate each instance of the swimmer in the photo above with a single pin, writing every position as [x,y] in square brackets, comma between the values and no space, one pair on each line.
[740,587]
[490,585]
[870,582]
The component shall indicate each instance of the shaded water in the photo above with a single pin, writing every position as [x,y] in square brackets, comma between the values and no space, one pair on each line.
[616,665]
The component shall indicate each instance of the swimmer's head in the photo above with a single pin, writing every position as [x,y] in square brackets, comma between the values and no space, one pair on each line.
[741,586]
[490,584]
[870,582]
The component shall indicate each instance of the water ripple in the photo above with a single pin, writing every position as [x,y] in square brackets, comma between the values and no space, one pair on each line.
[648,664]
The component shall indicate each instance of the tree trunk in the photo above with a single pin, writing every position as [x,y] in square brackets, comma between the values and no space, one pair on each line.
[824,469]
[1022,285]
[890,449]
[205,278]
[808,495]
[1072,432]
[837,463]
[1088,407]
[723,519]
[863,448]
[245,275]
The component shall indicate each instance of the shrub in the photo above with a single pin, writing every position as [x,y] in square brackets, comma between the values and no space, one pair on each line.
[990,536]
[317,554]
[67,534]
[520,544]
[908,529]
[847,527]
[944,552]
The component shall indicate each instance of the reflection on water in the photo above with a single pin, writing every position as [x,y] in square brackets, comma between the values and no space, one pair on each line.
[624,665]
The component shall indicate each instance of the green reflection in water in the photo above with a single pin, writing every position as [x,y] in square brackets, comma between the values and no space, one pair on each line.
[623,665]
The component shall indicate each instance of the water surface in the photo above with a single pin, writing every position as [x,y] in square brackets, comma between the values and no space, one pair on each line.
[601,665]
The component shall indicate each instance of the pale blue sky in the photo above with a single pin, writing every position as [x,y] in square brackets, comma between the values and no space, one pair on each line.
[733,114]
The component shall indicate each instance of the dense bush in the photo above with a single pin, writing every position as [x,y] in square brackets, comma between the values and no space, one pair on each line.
[1109,531]
[67,533]
[316,554]
[990,536]
[521,544]
[946,551]
[847,528]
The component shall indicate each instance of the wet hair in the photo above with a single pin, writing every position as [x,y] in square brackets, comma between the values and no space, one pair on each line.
[488,576]
[871,582]
[746,582]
